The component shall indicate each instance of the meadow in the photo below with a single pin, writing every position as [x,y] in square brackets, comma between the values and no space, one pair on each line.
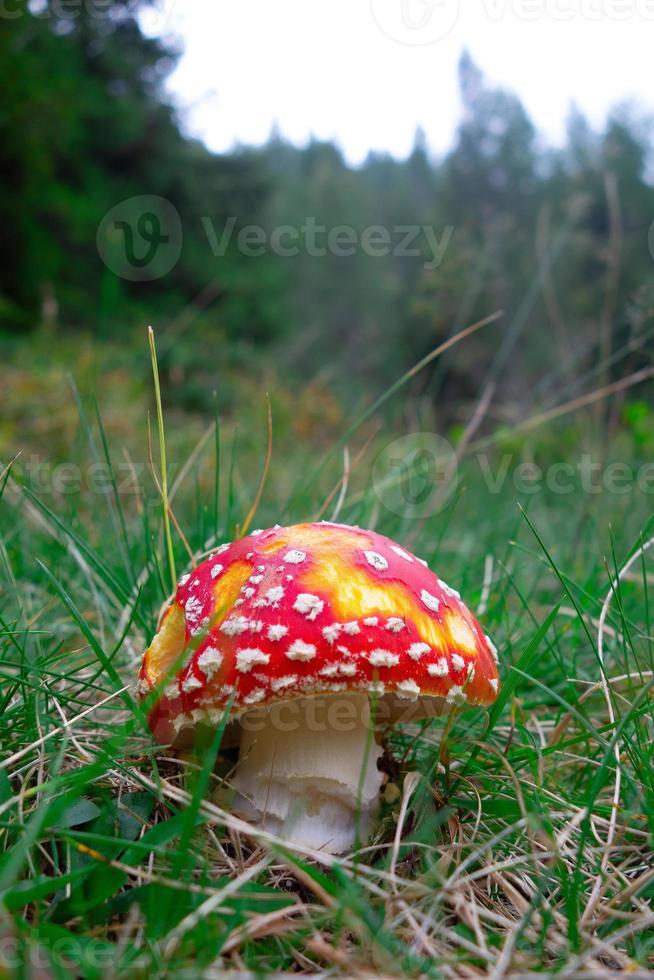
[512,842]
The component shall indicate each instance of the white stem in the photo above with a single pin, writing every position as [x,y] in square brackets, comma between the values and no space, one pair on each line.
[308,772]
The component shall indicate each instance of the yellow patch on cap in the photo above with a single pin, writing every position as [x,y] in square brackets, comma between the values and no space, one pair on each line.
[320,541]
[227,589]
[462,635]
[167,646]
[353,594]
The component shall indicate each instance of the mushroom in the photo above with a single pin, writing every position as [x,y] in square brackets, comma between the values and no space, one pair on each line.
[313,636]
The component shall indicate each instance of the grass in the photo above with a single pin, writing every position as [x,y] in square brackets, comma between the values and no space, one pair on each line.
[511,842]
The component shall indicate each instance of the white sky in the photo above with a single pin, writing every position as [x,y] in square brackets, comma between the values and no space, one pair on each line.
[368,72]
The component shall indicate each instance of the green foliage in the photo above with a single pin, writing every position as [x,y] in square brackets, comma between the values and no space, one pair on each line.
[113,855]
[558,240]
[84,125]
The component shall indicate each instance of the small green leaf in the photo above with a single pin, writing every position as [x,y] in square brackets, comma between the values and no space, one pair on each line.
[80,812]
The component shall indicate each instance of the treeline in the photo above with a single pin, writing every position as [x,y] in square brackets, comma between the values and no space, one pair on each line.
[346,272]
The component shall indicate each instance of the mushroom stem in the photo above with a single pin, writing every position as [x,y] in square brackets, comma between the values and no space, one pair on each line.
[307,771]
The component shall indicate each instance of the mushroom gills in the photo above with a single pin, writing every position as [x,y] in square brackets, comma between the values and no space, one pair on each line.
[316,785]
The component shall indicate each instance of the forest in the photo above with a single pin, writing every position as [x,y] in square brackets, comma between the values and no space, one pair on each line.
[287,255]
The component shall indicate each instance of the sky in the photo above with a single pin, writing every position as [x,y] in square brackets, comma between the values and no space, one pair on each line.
[367,73]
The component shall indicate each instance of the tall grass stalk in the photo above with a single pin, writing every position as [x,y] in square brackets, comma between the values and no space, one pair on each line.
[162,450]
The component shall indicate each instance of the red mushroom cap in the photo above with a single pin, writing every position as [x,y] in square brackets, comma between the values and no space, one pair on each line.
[306,610]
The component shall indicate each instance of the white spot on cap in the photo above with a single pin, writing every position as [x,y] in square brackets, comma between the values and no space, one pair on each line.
[258,694]
[299,650]
[408,689]
[222,547]
[439,669]
[261,568]
[255,625]
[257,531]
[171,691]
[275,595]
[234,626]
[181,721]
[193,607]
[184,579]
[448,590]
[216,570]
[383,658]
[377,687]
[494,683]
[309,605]
[370,621]
[277,632]
[376,560]
[351,628]
[255,579]
[458,663]
[248,658]
[456,695]
[401,552]
[423,562]
[282,682]
[491,647]
[248,591]
[395,624]
[210,660]
[347,670]
[330,670]
[191,683]
[430,600]
[295,557]
[416,650]
[330,633]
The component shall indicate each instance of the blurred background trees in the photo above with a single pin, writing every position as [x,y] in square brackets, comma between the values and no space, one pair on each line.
[558,239]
